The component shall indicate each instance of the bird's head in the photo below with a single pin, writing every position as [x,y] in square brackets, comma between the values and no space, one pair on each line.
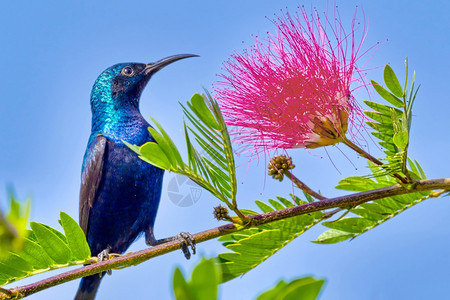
[120,86]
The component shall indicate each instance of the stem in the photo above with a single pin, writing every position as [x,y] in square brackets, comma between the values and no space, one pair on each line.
[235,209]
[332,213]
[364,154]
[146,254]
[8,293]
[301,185]
[241,216]
[351,200]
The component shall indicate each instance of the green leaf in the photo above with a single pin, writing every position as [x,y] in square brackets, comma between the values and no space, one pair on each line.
[190,151]
[367,214]
[383,109]
[75,237]
[56,232]
[56,248]
[422,173]
[16,262]
[170,144]
[401,139]
[264,207]
[153,154]
[163,145]
[393,134]
[180,286]
[203,284]
[33,253]
[199,107]
[383,137]
[285,202]
[387,95]
[308,197]
[377,208]
[212,164]
[4,279]
[392,82]
[306,288]
[357,184]
[202,128]
[253,246]
[277,205]
[370,214]
[205,279]
[350,225]
[44,249]
[13,226]
[406,72]
[132,147]
[11,271]
[381,118]
[332,236]
[218,158]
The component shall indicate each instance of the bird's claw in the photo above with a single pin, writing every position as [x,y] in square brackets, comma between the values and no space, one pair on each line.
[102,256]
[186,241]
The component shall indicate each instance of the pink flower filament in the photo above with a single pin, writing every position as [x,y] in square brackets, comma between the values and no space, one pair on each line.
[293,89]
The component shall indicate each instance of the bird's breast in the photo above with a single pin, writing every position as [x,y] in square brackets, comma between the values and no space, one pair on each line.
[131,131]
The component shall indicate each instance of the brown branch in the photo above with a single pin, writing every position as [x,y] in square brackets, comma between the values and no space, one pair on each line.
[6,292]
[136,258]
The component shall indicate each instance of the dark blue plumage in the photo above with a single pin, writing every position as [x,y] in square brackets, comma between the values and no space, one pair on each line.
[119,193]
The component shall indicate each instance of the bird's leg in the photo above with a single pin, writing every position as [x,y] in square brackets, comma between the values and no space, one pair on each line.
[102,256]
[185,238]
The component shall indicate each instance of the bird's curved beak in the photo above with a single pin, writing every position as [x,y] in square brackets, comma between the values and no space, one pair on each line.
[152,68]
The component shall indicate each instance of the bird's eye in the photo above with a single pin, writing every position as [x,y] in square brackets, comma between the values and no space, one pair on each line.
[127,71]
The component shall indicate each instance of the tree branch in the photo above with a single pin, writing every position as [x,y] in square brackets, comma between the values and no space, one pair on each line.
[138,257]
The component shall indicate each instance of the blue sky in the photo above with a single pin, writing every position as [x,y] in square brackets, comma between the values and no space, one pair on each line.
[52,51]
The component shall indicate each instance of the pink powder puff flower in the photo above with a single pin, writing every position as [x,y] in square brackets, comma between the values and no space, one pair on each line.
[293,89]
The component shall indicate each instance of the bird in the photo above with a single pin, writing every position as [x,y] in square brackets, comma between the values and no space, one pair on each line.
[120,193]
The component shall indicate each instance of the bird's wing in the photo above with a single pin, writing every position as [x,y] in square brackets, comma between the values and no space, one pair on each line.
[90,178]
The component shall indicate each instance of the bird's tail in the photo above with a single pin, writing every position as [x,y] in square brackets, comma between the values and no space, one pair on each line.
[88,287]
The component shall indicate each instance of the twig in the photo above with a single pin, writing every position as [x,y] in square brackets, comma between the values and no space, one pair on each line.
[301,185]
[332,213]
[8,293]
[371,158]
[257,220]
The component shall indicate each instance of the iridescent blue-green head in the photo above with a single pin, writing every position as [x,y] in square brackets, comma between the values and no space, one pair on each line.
[117,90]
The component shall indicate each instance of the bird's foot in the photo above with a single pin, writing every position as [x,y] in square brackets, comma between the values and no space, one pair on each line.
[186,241]
[185,238]
[102,256]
